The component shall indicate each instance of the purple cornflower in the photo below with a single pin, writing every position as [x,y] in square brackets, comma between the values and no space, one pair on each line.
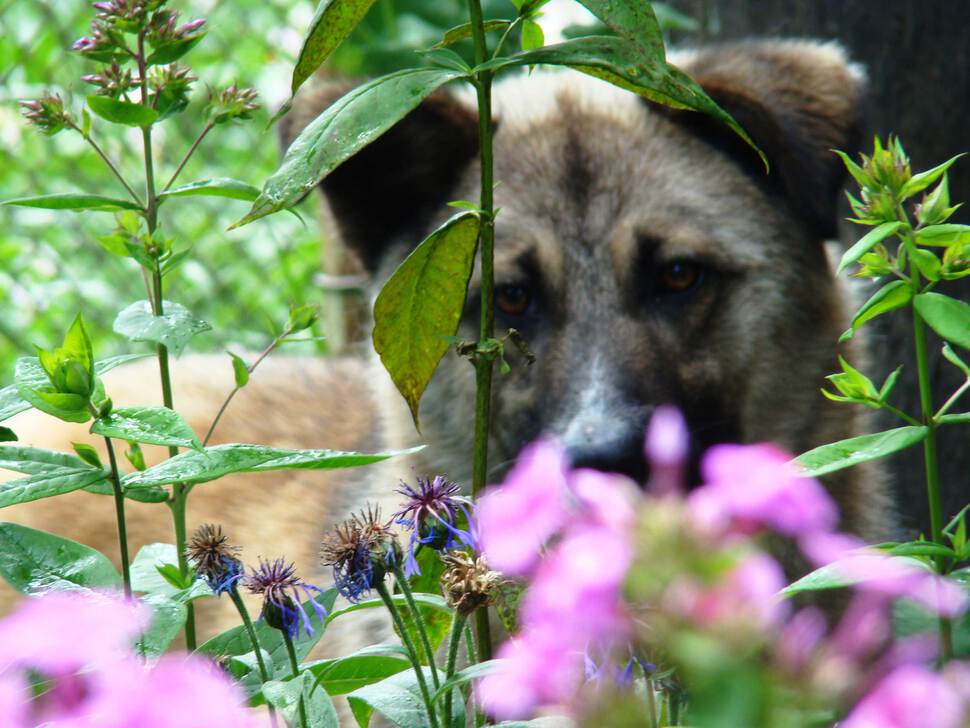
[431,512]
[359,550]
[280,587]
[215,559]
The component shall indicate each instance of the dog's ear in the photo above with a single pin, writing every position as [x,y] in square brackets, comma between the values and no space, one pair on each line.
[392,185]
[797,100]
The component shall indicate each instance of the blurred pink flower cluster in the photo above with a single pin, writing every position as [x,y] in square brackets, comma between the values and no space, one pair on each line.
[582,540]
[80,645]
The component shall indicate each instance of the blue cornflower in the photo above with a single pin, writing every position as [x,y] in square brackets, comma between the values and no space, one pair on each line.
[431,512]
[215,559]
[359,550]
[280,587]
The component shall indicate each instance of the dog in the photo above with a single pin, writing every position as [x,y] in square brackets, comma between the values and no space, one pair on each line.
[642,252]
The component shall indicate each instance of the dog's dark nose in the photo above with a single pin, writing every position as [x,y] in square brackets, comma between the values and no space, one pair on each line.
[618,455]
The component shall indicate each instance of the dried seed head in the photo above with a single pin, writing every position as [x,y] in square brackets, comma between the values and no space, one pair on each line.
[467,582]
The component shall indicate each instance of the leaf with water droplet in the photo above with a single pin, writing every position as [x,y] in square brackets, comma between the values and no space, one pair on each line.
[149,425]
[172,329]
[33,562]
[846,453]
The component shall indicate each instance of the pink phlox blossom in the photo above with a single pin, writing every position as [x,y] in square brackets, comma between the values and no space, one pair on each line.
[60,632]
[14,697]
[800,638]
[516,518]
[666,446]
[909,697]
[750,487]
[605,499]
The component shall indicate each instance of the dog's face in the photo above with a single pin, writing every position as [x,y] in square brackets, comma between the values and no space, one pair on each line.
[643,254]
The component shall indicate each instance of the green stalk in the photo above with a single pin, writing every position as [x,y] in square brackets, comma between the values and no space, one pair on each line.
[929,443]
[120,515]
[248,624]
[412,652]
[484,364]
[179,491]
[295,665]
[454,641]
[402,582]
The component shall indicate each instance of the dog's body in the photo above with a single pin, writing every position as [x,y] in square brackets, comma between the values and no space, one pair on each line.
[642,254]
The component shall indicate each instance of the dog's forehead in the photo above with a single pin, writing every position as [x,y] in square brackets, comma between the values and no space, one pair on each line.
[589,170]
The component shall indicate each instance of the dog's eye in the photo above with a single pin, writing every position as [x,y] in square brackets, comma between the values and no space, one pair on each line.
[513,300]
[679,276]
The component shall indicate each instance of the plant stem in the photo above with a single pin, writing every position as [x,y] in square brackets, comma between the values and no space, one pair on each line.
[120,515]
[248,624]
[107,160]
[484,364]
[295,665]
[952,400]
[454,641]
[179,491]
[402,582]
[188,155]
[412,652]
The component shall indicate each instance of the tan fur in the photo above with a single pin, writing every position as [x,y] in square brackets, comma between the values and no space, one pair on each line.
[592,180]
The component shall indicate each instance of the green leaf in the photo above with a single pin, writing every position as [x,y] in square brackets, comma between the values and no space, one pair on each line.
[472,672]
[624,63]
[853,383]
[928,263]
[88,454]
[122,112]
[285,697]
[922,548]
[173,329]
[171,52]
[951,356]
[834,576]
[141,495]
[463,31]
[919,182]
[344,674]
[887,386]
[867,243]
[34,562]
[891,296]
[168,618]
[855,450]
[422,303]
[398,698]
[201,466]
[216,187]
[947,316]
[235,642]
[347,126]
[532,35]
[240,371]
[634,21]
[960,418]
[331,24]
[421,598]
[7,435]
[150,425]
[154,571]
[32,376]
[73,201]
[943,235]
[48,473]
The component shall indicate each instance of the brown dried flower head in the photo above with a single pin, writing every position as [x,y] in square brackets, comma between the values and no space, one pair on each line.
[467,582]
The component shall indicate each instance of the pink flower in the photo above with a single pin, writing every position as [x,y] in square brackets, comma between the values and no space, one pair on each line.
[180,691]
[539,669]
[748,487]
[607,499]
[61,631]
[666,447]
[909,697]
[576,591]
[14,697]
[800,637]
[747,594]
[516,518]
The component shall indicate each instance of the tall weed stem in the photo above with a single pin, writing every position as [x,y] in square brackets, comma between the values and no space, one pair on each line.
[402,582]
[454,642]
[119,497]
[295,666]
[250,630]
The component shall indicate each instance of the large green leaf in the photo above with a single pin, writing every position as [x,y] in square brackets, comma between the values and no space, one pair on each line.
[151,425]
[398,698]
[235,643]
[31,375]
[331,24]
[472,672]
[347,126]
[855,450]
[421,305]
[867,243]
[168,618]
[217,187]
[836,576]
[634,21]
[943,235]
[173,329]
[624,63]
[146,575]
[344,674]
[423,600]
[122,112]
[947,316]
[285,696]
[891,296]
[49,473]
[201,466]
[73,201]
[33,561]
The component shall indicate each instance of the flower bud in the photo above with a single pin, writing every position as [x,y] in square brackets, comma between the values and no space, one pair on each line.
[47,114]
